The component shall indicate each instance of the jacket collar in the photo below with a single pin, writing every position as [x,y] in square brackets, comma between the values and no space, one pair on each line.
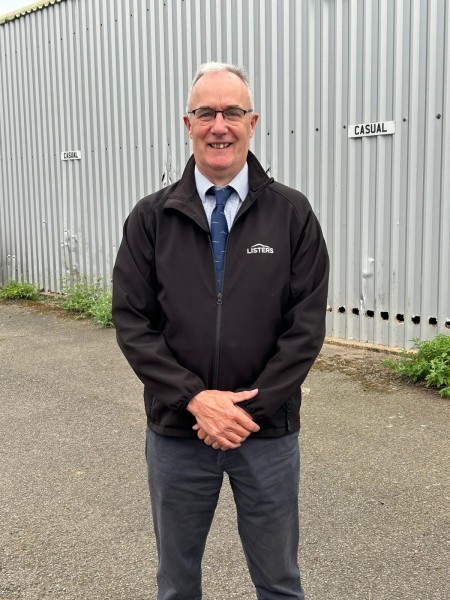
[185,198]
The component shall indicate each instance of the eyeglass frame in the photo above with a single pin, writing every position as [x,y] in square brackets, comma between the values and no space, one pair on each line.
[192,112]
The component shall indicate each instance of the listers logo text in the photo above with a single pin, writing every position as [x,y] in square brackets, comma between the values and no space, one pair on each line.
[260,249]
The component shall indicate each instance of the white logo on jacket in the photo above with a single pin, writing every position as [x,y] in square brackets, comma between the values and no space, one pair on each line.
[260,249]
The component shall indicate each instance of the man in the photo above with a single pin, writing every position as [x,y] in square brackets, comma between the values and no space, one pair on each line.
[219,303]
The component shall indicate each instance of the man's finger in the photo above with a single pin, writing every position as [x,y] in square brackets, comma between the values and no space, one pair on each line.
[247,423]
[232,437]
[201,434]
[245,395]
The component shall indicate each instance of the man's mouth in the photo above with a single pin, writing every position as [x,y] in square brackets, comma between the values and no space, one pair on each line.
[219,146]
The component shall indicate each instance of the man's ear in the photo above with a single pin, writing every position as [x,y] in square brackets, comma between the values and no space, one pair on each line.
[187,124]
[253,121]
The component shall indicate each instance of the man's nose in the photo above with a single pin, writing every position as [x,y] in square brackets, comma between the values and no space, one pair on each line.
[219,124]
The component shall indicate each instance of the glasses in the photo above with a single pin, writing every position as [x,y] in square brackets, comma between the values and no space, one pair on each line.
[207,115]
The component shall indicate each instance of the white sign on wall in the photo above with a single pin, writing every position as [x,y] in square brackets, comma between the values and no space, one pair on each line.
[71,155]
[368,129]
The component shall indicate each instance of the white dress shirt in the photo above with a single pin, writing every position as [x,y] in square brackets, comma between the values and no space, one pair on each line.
[233,204]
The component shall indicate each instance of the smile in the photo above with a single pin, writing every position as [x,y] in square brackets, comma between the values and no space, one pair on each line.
[220,146]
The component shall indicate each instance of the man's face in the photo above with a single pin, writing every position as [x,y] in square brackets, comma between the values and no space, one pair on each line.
[220,147]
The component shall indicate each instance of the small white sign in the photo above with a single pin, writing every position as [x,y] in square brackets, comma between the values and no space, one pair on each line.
[71,155]
[368,129]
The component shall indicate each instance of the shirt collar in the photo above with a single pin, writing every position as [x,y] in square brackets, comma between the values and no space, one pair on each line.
[239,183]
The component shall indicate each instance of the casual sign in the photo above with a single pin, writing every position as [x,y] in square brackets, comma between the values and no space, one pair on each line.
[71,155]
[368,129]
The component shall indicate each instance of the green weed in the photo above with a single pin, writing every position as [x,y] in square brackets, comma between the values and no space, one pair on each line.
[89,299]
[430,363]
[80,296]
[101,309]
[15,290]
[86,299]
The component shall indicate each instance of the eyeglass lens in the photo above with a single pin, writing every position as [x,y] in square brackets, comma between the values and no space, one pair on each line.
[229,114]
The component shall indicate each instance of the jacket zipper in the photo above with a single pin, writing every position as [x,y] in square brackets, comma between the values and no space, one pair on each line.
[217,347]
[219,302]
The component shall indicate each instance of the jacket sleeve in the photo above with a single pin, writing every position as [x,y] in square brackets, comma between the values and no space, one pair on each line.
[137,317]
[301,340]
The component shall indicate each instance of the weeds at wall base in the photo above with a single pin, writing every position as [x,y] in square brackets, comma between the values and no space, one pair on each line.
[16,290]
[430,364]
[84,299]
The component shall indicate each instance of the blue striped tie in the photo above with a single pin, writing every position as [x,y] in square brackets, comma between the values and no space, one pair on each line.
[219,230]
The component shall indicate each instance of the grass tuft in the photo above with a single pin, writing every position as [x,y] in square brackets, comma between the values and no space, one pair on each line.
[15,290]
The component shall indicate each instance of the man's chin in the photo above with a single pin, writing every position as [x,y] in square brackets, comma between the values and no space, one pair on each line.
[217,167]
[219,160]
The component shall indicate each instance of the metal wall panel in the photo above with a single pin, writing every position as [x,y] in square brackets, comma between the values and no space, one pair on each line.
[109,78]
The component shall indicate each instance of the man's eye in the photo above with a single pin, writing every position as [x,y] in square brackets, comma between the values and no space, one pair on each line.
[205,114]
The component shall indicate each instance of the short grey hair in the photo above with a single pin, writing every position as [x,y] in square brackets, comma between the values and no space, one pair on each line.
[218,67]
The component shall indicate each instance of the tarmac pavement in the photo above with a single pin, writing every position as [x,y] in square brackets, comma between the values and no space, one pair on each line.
[74,514]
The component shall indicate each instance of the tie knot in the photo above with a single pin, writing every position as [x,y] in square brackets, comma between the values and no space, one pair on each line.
[221,194]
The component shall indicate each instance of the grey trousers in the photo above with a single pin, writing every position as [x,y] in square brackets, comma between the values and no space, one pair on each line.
[185,477]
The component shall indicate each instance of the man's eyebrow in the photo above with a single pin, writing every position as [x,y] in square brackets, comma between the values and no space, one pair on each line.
[227,106]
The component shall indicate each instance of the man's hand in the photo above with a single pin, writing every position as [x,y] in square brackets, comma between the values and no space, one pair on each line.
[220,423]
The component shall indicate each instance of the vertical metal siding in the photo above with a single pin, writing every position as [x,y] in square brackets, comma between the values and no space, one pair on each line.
[109,78]
[443,312]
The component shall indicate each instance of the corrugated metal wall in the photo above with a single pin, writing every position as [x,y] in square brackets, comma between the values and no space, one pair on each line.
[109,78]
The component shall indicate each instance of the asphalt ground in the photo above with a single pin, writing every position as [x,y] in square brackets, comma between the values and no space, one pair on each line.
[74,513]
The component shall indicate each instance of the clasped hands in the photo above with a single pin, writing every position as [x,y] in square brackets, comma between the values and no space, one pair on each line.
[220,422]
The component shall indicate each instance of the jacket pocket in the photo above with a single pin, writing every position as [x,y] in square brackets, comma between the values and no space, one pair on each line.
[292,408]
[153,408]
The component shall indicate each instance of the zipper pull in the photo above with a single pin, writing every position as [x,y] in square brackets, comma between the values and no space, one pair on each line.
[219,299]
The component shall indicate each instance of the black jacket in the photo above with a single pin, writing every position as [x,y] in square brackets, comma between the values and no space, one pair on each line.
[264,331]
